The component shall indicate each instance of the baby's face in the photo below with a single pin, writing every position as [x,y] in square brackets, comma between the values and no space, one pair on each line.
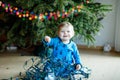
[66,33]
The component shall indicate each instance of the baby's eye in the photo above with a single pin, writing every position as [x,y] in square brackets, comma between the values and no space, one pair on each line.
[62,31]
[68,31]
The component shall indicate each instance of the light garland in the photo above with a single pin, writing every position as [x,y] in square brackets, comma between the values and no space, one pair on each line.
[42,16]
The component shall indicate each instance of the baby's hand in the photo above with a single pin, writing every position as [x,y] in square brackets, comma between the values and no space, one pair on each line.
[78,67]
[47,38]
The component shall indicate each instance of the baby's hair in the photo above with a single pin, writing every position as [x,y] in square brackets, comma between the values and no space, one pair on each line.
[65,24]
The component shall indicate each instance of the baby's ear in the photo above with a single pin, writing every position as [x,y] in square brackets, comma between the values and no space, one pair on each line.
[73,33]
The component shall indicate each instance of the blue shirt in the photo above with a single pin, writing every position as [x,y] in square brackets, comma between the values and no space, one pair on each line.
[67,53]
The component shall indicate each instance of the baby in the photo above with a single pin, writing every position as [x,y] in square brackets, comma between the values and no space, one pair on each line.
[65,52]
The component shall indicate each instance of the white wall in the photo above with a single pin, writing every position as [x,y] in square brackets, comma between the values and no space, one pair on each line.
[107,33]
[117,32]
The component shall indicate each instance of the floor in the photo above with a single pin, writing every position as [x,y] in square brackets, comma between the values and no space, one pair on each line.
[104,65]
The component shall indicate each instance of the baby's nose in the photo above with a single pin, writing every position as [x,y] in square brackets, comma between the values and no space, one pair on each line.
[65,32]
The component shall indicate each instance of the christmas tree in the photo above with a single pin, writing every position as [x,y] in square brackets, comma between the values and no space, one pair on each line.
[28,21]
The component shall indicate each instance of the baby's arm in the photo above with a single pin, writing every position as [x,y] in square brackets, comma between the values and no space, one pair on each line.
[47,39]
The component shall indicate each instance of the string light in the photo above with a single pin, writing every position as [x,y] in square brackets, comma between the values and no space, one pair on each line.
[47,15]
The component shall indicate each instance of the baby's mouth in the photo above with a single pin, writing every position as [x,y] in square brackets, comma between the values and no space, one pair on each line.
[64,36]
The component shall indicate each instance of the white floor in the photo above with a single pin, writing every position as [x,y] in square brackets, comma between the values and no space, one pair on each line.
[105,66]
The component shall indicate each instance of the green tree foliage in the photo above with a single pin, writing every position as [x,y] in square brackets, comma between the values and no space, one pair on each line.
[24,32]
